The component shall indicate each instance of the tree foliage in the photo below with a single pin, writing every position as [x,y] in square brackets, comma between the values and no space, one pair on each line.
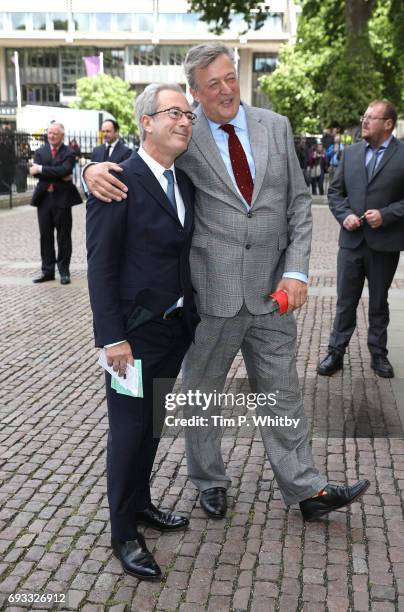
[218,14]
[347,53]
[108,93]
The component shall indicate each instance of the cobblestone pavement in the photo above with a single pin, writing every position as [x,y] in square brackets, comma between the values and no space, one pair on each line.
[54,531]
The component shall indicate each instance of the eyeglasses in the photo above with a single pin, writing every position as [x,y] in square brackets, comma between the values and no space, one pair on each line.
[176,114]
[370,118]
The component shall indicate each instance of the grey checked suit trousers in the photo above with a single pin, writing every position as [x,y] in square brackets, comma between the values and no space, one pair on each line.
[237,258]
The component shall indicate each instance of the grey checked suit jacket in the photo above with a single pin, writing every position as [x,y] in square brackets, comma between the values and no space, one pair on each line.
[239,256]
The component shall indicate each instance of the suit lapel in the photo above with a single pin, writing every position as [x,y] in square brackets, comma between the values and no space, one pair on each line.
[258,137]
[204,141]
[362,164]
[58,153]
[387,155]
[115,151]
[152,186]
[48,159]
[186,198]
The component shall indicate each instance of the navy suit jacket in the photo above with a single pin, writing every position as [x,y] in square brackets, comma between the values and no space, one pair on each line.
[54,169]
[138,253]
[119,153]
[350,193]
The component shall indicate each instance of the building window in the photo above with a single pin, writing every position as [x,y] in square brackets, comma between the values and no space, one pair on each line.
[158,55]
[40,94]
[173,55]
[145,55]
[264,62]
[114,62]
[82,22]
[103,22]
[58,21]
[73,68]
[181,22]
[143,22]
[39,21]
[273,24]
[123,22]
[19,21]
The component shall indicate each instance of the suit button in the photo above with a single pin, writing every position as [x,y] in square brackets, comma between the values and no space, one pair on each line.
[180,231]
[249,214]
[248,246]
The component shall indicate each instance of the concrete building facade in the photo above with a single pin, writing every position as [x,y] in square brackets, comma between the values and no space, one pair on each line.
[141,41]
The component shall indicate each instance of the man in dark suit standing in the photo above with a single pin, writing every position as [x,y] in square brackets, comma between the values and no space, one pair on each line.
[367,199]
[113,149]
[54,196]
[143,306]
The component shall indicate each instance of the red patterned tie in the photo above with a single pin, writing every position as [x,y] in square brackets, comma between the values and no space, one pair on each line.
[239,163]
[54,151]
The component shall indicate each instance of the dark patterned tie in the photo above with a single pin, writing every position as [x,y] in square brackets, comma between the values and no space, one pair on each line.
[170,189]
[371,166]
[239,163]
[106,152]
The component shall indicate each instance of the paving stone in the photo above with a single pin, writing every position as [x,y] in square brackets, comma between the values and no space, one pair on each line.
[54,529]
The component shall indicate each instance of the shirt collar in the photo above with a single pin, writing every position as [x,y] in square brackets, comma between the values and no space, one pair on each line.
[157,169]
[239,121]
[384,144]
[111,144]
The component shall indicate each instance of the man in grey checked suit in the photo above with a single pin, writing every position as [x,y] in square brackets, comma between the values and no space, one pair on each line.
[245,246]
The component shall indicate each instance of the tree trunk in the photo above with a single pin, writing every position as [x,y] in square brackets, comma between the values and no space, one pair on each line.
[357,15]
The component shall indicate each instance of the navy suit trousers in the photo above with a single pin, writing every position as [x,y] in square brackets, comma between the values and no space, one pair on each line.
[135,423]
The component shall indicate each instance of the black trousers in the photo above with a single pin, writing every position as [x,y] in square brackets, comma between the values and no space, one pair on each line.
[353,266]
[135,423]
[318,181]
[51,217]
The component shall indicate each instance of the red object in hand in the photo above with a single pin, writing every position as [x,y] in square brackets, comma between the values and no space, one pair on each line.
[281,298]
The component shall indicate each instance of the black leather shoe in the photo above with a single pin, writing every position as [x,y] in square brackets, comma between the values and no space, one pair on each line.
[336,497]
[43,279]
[331,363]
[214,502]
[65,279]
[136,559]
[162,521]
[382,366]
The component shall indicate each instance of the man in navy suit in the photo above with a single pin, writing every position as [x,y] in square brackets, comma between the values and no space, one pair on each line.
[143,307]
[113,149]
[54,196]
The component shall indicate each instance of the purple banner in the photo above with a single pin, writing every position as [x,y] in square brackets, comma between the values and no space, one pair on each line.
[92,63]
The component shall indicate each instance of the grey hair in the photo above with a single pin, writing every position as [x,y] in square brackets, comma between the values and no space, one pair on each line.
[201,56]
[147,102]
[59,125]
